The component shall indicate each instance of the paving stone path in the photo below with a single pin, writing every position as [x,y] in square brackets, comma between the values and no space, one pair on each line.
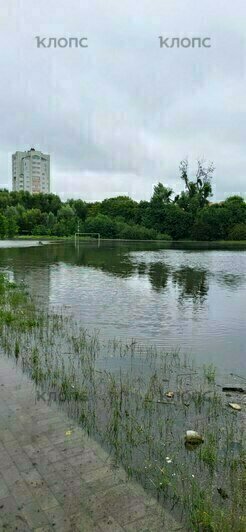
[54,478]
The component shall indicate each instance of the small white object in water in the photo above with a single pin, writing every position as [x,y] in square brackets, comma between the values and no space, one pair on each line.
[193,437]
[235,406]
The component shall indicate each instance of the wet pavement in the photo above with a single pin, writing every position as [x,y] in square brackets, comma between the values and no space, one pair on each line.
[53,477]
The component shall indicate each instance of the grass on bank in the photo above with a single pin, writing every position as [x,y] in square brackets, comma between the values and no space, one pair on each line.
[129,412]
[53,238]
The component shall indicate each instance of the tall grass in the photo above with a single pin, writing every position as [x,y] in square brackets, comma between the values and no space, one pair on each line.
[128,410]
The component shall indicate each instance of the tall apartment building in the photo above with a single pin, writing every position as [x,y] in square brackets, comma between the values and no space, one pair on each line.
[31,171]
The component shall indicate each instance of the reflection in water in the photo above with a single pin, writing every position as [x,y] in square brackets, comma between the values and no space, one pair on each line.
[158,275]
[192,283]
[168,295]
[230,280]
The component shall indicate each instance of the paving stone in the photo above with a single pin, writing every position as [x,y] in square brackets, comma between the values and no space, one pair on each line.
[33,514]
[5,459]
[82,522]
[4,489]
[8,509]
[109,524]
[65,469]
[21,492]
[45,497]
[53,477]
[153,523]
[31,476]
[6,436]
[15,524]
[101,479]
[11,474]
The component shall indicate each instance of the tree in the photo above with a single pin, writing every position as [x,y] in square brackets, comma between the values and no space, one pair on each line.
[135,232]
[30,219]
[237,232]
[66,221]
[101,224]
[177,223]
[162,195]
[155,214]
[79,207]
[187,215]
[165,216]
[66,212]
[46,202]
[3,226]
[197,191]
[11,214]
[12,227]
[51,220]
[93,209]
[4,199]
[40,230]
[121,206]
[236,210]
[142,212]
[212,223]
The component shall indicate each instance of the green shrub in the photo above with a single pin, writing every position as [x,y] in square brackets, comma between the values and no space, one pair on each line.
[237,232]
[3,226]
[135,232]
[163,236]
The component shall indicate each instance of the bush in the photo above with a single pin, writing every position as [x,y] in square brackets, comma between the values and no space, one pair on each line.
[40,230]
[135,232]
[101,224]
[3,226]
[201,231]
[163,236]
[237,232]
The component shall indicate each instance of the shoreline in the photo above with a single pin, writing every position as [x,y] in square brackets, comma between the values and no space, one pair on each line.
[129,415]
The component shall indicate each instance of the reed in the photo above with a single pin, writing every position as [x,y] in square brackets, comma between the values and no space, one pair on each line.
[127,408]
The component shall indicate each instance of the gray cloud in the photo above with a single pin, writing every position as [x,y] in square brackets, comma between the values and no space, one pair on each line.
[118,116]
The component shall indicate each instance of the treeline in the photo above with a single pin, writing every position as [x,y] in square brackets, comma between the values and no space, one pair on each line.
[189,215]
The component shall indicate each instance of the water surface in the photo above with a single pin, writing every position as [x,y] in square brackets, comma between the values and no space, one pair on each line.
[184,296]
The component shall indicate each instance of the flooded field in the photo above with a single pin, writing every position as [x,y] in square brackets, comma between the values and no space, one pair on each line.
[174,296]
[139,398]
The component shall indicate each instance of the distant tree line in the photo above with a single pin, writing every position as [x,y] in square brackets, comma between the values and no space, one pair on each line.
[189,215]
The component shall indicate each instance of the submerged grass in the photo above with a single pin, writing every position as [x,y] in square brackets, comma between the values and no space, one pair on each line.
[128,409]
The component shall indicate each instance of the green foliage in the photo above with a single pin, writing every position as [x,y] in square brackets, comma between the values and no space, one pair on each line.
[164,217]
[178,222]
[198,190]
[237,232]
[3,226]
[209,372]
[101,224]
[209,451]
[162,195]
[122,206]
[163,236]
[40,230]
[135,232]
[215,222]
[79,207]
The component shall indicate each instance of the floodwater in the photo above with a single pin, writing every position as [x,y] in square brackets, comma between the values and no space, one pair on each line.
[190,297]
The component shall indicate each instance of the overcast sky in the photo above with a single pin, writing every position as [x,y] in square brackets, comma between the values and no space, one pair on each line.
[118,116]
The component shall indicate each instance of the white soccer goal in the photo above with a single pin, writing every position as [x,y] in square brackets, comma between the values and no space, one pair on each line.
[78,235]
